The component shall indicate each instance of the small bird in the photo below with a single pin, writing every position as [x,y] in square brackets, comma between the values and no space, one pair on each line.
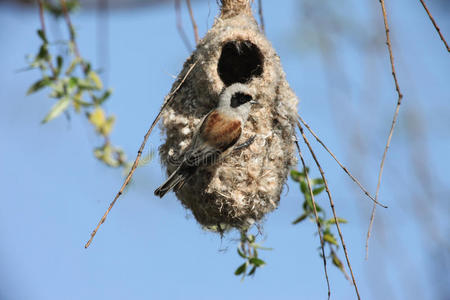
[218,132]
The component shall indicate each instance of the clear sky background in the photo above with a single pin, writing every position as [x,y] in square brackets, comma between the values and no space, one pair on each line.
[53,190]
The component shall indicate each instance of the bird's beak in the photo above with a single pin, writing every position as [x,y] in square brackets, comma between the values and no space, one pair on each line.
[253,102]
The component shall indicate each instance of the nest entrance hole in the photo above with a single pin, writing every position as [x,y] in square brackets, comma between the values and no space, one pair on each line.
[239,62]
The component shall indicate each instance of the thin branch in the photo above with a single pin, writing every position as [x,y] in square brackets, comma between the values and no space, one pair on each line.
[70,26]
[339,163]
[261,16]
[435,25]
[319,227]
[194,24]
[394,121]
[180,26]
[43,28]
[332,207]
[141,148]
[72,35]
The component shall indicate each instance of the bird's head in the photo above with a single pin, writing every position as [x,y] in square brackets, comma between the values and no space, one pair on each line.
[237,99]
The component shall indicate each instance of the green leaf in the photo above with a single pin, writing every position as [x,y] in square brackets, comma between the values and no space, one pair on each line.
[241,269]
[96,79]
[241,254]
[39,85]
[43,53]
[107,126]
[256,262]
[57,109]
[103,98]
[336,261]
[318,190]
[297,176]
[251,238]
[304,187]
[340,220]
[97,118]
[299,219]
[328,237]
[86,84]
[72,66]
[252,271]
[41,34]
[317,181]
[59,63]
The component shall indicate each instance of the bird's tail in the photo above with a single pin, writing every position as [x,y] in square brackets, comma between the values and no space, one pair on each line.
[175,182]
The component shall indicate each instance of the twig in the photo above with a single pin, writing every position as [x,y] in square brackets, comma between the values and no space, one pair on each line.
[141,148]
[180,26]
[73,35]
[71,28]
[394,121]
[194,24]
[43,28]
[261,16]
[332,207]
[319,229]
[435,25]
[339,163]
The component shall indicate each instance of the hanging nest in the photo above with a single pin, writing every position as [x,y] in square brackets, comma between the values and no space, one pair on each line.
[247,184]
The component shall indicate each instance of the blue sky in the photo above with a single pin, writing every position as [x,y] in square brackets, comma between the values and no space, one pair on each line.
[54,191]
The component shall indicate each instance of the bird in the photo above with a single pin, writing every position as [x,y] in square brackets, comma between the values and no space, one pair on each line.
[218,132]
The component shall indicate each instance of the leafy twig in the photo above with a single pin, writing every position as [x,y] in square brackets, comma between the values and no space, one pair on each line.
[85,93]
[306,204]
[336,219]
[248,250]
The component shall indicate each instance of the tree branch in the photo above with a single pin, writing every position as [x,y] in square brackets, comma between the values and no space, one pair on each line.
[338,227]
[394,121]
[319,227]
[194,24]
[435,25]
[138,157]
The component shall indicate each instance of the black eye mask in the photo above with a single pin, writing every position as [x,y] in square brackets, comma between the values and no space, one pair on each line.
[239,98]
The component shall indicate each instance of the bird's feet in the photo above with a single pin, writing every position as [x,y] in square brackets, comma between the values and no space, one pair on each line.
[245,144]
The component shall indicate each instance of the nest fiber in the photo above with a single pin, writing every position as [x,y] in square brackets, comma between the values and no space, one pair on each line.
[247,184]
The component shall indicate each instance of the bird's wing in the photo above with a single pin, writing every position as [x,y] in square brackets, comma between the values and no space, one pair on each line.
[216,134]
[219,131]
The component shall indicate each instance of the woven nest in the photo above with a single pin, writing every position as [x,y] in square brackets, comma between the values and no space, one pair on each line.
[246,185]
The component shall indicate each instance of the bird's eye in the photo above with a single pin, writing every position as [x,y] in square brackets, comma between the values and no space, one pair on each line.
[239,98]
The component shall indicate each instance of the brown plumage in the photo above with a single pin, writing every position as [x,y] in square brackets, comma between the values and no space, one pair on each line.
[219,132]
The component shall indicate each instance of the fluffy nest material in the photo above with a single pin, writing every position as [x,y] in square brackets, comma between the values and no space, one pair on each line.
[247,184]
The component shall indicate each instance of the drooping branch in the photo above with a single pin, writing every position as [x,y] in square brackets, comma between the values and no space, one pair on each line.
[319,229]
[435,25]
[394,121]
[341,236]
[139,154]
[194,24]
[180,26]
